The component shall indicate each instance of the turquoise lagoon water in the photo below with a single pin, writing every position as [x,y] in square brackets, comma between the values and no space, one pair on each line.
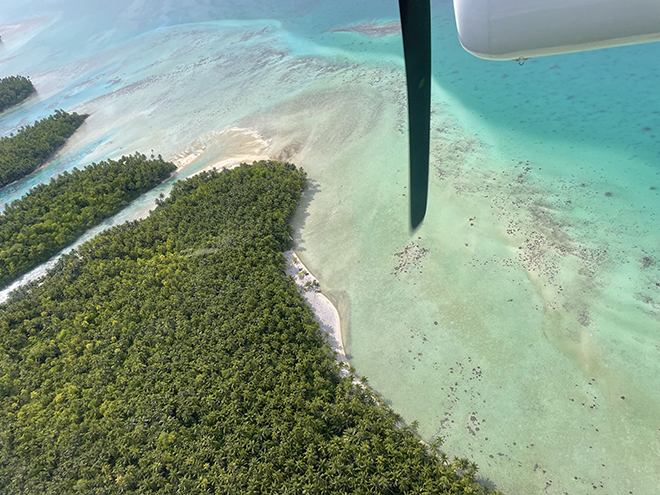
[521,323]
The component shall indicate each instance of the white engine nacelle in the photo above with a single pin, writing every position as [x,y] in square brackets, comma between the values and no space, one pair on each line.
[520,29]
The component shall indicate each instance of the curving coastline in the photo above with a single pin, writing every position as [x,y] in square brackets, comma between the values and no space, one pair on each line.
[326,314]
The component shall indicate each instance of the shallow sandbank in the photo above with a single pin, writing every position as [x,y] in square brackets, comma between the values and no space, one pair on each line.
[372,29]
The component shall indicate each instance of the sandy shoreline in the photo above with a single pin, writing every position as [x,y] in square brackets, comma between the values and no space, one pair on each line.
[226,148]
[325,312]
[229,148]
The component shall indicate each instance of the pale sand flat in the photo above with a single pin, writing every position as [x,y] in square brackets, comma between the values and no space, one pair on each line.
[371,29]
[231,145]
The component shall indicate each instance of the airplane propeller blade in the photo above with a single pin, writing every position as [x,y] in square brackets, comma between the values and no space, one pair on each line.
[416,27]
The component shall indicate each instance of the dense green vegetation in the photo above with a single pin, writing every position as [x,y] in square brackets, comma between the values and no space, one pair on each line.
[173,355]
[13,90]
[51,216]
[24,152]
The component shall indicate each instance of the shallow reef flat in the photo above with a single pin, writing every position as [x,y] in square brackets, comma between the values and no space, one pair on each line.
[509,297]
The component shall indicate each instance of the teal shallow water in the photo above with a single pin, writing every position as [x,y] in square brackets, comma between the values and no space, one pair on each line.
[527,306]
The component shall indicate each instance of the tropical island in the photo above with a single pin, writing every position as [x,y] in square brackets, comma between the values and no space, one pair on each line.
[52,216]
[22,153]
[371,29]
[14,90]
[173,354]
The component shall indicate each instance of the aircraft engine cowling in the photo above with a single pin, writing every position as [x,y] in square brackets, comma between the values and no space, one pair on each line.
[515,29]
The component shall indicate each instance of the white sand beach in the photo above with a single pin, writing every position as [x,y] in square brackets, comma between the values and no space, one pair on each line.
[326,314]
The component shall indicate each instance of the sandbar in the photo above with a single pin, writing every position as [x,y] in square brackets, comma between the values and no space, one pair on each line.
[325,312]
[372,29]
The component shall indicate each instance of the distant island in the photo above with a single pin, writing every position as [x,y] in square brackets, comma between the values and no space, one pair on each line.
[372,29]
[173,354]
[14,90]
[52,216]
[24,152]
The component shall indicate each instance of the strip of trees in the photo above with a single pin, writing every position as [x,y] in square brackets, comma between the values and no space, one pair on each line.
[173,355]
[14,90]
[24,152]
[52,216]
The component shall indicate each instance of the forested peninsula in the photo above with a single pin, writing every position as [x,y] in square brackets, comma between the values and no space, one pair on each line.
[173,355]
[51,216]
[14,90]
[23,153]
